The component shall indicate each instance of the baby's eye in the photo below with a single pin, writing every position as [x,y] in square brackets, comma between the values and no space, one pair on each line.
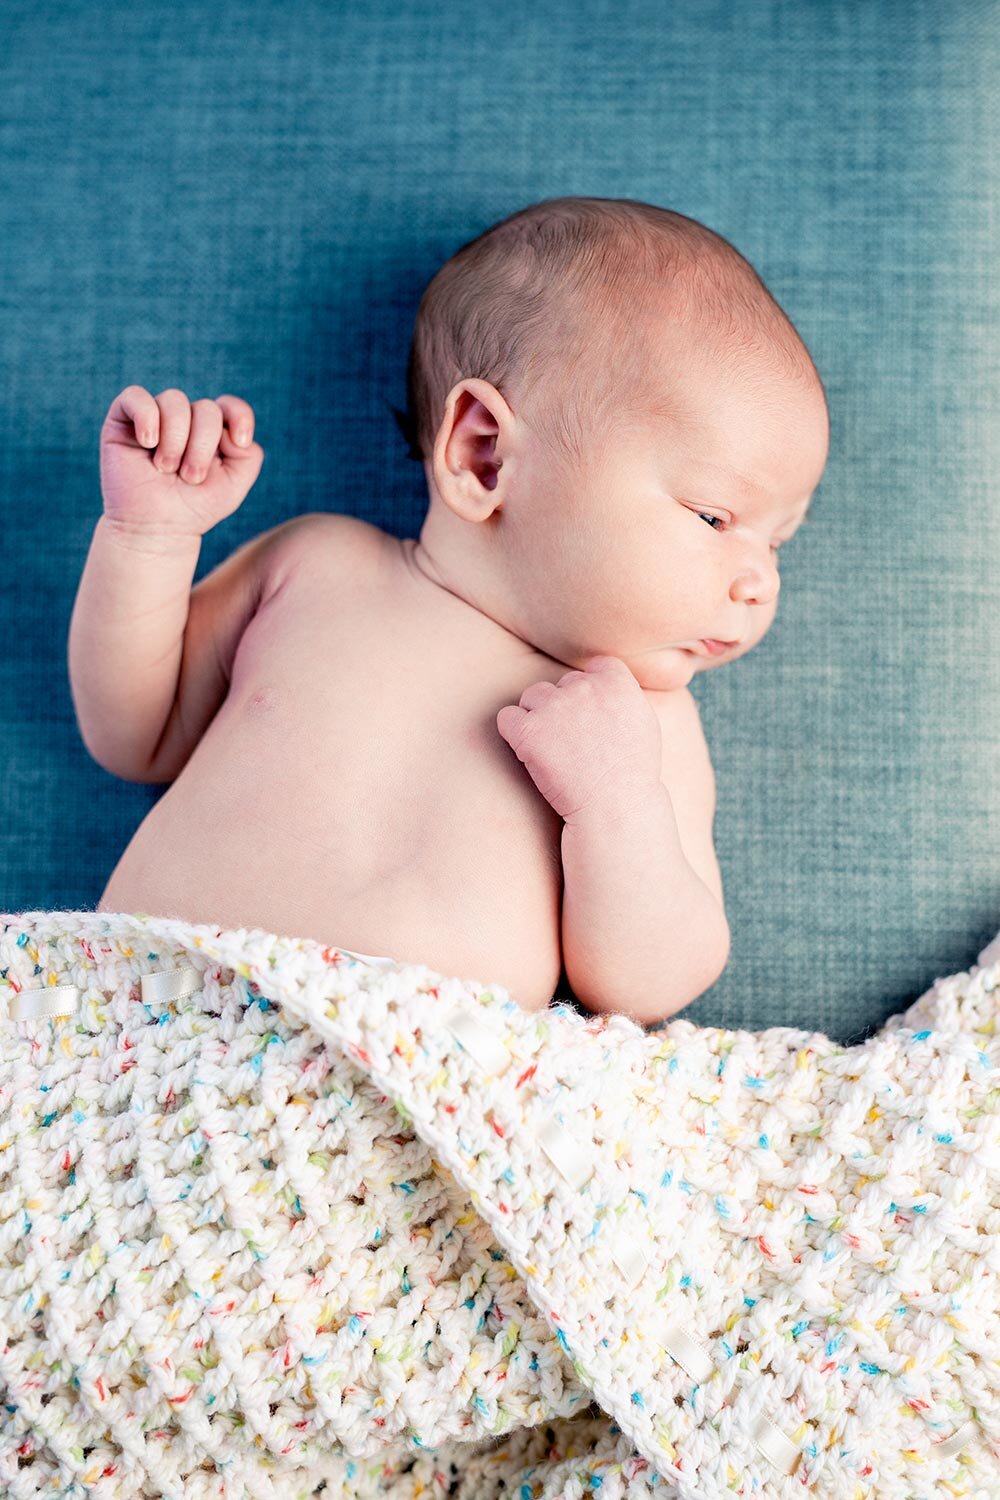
[704,516]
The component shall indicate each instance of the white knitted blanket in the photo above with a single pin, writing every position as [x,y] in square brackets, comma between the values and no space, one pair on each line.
[275,1223]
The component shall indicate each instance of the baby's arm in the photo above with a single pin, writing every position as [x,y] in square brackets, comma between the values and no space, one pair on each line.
[125,643]
[127,631]
[641,932]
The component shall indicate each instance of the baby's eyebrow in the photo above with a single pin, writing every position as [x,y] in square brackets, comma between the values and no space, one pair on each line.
[754,491]
[788,520]
[805,514]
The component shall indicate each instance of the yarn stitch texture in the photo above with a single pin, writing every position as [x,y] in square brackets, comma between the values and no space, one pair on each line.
[289,1225]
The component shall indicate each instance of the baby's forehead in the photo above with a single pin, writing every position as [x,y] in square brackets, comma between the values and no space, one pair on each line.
[746,453]
[743,387]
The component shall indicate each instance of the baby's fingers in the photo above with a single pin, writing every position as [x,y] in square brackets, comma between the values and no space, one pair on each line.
[238,417]
[538,693]
[206,430]
[509,724]
[134,410]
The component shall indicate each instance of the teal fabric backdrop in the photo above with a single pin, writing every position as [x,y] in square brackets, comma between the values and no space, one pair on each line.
[251,198]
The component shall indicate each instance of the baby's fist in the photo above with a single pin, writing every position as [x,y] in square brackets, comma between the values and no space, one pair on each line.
[170,466]
[588,739]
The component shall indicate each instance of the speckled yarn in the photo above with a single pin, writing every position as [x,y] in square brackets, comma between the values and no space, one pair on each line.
[278,1223]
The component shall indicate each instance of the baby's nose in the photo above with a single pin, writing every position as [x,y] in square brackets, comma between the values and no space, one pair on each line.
[757,587]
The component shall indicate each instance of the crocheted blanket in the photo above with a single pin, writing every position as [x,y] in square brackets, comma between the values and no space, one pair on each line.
[277,1223]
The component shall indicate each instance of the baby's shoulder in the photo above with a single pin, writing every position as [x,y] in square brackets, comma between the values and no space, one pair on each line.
[343,548]
[349,533]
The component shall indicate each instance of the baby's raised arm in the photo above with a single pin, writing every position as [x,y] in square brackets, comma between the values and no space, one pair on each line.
[170,471]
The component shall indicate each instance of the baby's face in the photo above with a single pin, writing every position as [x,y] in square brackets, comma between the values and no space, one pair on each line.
[672,533]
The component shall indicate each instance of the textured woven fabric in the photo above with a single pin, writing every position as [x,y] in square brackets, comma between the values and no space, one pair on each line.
[271,1217]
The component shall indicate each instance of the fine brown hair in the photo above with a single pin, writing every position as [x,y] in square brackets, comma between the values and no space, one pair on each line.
[552,306]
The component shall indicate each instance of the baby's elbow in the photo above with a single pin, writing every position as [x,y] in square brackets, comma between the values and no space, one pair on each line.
[722,949]
[713,956]
[717,946]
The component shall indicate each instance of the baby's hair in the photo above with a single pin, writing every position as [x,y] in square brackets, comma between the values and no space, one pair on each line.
[551,306]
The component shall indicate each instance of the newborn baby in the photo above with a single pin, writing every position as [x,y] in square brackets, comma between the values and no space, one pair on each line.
[477,749]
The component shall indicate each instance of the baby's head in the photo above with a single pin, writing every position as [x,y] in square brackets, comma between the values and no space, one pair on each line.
[619,427]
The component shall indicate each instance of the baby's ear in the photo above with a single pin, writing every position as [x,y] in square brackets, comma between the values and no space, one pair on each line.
[407,425]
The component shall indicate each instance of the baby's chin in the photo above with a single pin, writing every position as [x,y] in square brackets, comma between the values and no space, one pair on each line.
[667,668]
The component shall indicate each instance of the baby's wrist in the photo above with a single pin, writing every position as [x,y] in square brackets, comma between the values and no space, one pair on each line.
[621,800]
[148,540]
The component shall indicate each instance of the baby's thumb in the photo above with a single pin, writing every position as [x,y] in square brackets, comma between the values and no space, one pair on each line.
[241,453]
[508,723]
[244,464]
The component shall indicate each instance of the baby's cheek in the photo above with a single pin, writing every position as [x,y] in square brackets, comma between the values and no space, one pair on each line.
[763,619]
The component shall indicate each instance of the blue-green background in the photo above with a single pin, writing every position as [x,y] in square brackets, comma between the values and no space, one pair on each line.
[251,198]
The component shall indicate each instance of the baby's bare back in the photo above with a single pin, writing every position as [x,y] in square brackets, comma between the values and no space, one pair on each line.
[353,787]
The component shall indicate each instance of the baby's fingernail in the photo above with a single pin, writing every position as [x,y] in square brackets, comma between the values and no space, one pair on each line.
[243,436]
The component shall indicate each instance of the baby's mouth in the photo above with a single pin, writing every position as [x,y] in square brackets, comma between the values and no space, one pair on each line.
[709,647]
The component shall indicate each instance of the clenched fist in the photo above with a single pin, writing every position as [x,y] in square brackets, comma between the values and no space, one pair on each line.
[174,467]
[590,738]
